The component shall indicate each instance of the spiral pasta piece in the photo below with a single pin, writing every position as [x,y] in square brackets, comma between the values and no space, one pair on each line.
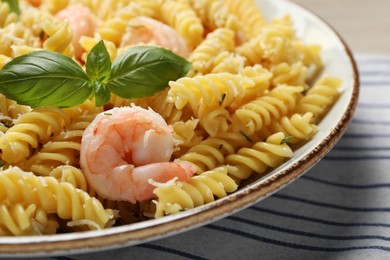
[228,62]
[208,154]
[52,155]
[299,127]
[214,14]
[59,37]
[181,16]
[274,44]
[199,190]
[249,14]
[277,48]
[63,149]
[202,57]
[70,174]
[187,135]
[83,111]
[237,139]
[160,104]
[285,26]
[63,199]
[252,51]
[259,158]
[293,75]
[260,112]
[30,130]
[224,89]
[11,109]
[20,220]
[320,98]
[213,119]
[311,58]
[113,28]
[262,81]
[74,176]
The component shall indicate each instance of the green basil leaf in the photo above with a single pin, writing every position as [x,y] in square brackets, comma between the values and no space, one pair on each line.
[98,66]
[13,4]
[45,78]
[102,94]
[144,70]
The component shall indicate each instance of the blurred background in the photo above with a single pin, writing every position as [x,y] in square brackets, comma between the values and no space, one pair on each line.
[364,25]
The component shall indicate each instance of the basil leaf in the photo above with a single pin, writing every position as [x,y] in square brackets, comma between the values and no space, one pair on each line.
[144,70]
[13,4]
[45,78]
[102,94]
[98,66]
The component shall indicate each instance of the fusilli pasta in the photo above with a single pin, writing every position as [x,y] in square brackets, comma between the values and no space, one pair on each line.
[183,18]
[259,157]
[61,198]
[20,220]
[260,112]
[320,97]
[248,101]
[199,190]
[30,130]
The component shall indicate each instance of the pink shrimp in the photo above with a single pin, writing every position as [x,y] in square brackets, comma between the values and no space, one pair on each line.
[146,30]
[82,22]
[125,149]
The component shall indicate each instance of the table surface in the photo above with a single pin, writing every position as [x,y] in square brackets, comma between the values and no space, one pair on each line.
[364,25]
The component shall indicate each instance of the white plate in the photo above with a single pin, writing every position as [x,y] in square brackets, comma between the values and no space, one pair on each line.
[338,62]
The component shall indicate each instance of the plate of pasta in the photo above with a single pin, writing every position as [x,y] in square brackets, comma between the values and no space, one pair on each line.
[126,121]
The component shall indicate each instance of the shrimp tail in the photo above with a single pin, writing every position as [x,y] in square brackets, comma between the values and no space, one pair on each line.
[146,177]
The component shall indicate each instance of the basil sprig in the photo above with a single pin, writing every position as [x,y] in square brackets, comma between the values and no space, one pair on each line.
[50,78]
[98,69]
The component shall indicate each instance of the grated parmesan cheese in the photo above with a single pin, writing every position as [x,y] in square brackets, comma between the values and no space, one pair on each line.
[82,222]
[162,184]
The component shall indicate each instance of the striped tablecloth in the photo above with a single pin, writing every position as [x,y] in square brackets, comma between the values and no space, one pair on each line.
[340,209]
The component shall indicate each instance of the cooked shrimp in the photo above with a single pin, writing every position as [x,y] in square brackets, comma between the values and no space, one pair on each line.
[82,22]
[146,30]
[124,150]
